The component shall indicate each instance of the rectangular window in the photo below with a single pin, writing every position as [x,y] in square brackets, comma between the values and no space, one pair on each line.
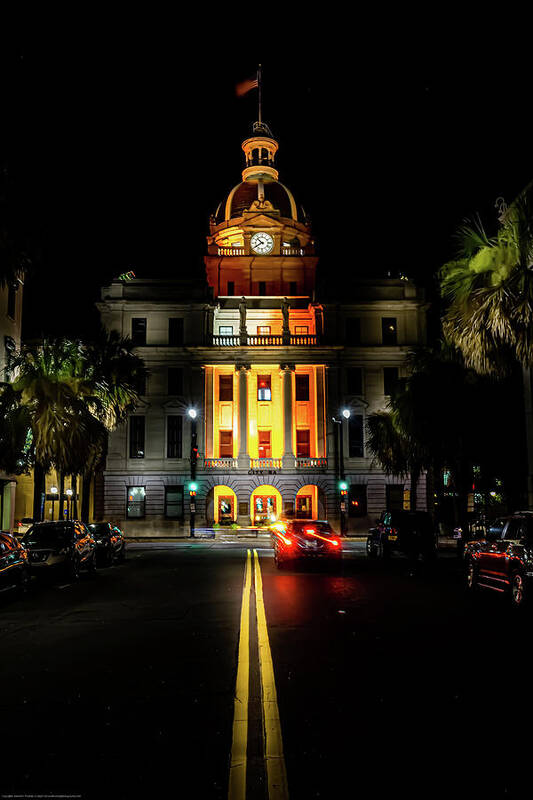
[262,288]
[390,379]
[357,501]
[355,436]
[303,444]
[265,448]
[225,388]
[226,444]
[264,387]
[353,331]
[394,497]
[140,384]
[302,387]
[135,506]
[11,300]
[175,380]
[354,380]
[174,502]
[231,288]
[136,437]
[293,288]
[138,331]
[225,330]
[175,331]
[389,331]
[174,436]
[301,330]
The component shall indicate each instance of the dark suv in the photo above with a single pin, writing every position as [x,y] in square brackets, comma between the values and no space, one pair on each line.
[409,532]
[503,559]
[14,563]
[60,546]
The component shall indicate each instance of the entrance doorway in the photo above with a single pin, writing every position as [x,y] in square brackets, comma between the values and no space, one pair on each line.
[265,504]
[304,506]
[226,506]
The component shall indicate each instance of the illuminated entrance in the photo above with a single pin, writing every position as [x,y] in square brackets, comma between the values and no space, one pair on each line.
[265,504]
[225,505]
[307,502]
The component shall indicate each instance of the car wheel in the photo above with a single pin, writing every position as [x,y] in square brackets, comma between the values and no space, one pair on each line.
[371,549]
[471,577]
[74,569]
[518,593]
[24,580]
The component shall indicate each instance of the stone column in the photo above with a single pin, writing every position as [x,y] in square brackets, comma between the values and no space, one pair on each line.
[243,458]
[320,410]
[209,377]
[288,460]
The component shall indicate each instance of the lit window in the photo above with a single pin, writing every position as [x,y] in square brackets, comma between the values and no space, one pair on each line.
[265,449]
[225,387]
[225,330]
[136,502]
[301,329]
[264,388]
[263,330]
[226,444]
[303,440]
[389,330]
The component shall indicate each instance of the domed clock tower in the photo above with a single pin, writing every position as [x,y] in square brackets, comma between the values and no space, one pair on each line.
[260,242]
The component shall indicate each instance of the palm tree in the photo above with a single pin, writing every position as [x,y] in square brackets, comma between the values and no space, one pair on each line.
[489,296]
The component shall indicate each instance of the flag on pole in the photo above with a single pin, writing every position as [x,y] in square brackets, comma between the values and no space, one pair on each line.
[245,86]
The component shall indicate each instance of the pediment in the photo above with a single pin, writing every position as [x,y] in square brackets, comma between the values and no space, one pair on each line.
[174,405]
[260,222]
[142,405]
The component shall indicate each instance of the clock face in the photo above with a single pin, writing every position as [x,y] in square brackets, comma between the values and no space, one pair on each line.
[262,243]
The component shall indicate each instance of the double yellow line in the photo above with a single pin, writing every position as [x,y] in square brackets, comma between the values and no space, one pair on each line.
[272,740]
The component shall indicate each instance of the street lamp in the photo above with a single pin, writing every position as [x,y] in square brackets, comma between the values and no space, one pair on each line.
[69,494]
[192,413]
[53,492]
[339,453]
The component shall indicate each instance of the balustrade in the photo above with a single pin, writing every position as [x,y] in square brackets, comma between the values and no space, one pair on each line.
[220,463]
[266,463]
[311,463]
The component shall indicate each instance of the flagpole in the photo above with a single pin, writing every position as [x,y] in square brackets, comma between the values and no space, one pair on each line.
[259,90]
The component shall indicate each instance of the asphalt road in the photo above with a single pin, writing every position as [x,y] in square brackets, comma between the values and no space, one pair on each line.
[389,680]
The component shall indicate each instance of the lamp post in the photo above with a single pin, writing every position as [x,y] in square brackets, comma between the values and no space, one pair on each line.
[343,486]
[69,494]
[194,456]
[53,492]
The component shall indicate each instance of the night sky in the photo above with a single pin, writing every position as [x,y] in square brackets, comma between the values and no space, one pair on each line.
[119,148]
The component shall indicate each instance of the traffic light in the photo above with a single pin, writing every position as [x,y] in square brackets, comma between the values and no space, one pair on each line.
[343,486]
[193,488]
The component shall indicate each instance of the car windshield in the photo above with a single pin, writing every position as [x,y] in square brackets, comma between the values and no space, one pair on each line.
[322,528]
[48,535]
[410,520]
[99,528]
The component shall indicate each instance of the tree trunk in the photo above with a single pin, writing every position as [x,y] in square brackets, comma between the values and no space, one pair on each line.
[415,474]
[74,501]
[61,496]
[39,476]
[528,409]
[86,497]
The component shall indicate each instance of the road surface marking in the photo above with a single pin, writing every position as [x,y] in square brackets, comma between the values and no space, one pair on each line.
[237,773]
[272,741]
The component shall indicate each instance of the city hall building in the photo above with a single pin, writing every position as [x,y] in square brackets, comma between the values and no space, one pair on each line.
[281,380]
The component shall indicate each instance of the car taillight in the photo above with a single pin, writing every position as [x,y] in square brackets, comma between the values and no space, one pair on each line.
[394,531]
[334,542]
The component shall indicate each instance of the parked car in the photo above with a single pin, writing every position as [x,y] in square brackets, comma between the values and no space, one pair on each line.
[110,542]
[61,546]
[14,563]
[23,526]
[411,533]
[503,560]
[302,539]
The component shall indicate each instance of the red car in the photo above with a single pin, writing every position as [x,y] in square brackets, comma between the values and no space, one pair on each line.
[303,539]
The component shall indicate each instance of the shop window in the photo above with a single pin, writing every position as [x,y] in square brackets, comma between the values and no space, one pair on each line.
[175,381]
[354,380]
[174,502]
[303,444]
[264,387]
[136,437]
[390,379]
[175,331]
[174,436]
[389,335]
[135,506]
[226,444]
[304,506]
[355,436]
[302,387]
[353,331]
[225,387]
[138,331]
[265,448]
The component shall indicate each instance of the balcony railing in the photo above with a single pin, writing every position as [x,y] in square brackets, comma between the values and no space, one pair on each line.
[265,463]
[220,463]
[294,340]
[231,251]
[311,463]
